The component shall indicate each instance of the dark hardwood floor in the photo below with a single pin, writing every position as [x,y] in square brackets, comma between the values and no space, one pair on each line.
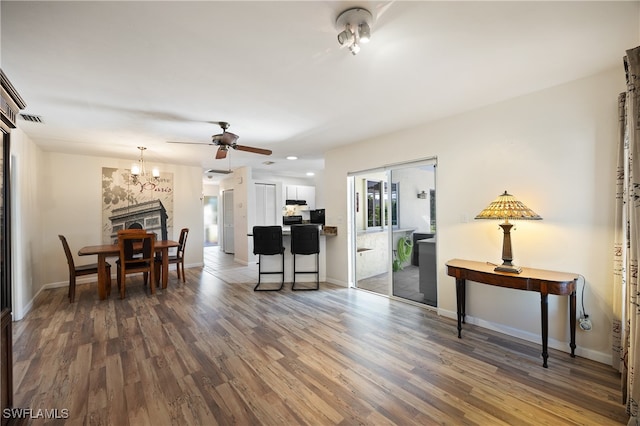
[213,351]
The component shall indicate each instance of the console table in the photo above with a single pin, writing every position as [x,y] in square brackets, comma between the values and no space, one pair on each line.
[542,281]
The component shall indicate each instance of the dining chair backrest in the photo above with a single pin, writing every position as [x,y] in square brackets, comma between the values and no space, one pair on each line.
[184,232]
[80,270]
[135,242]
[178,258]
[67,252]
[137,251]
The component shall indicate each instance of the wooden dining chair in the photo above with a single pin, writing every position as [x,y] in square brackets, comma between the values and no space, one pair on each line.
[80,270]
[178,258]
[137,250]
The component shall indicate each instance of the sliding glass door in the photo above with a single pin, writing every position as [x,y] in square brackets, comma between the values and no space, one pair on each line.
[414,240]
[394,226]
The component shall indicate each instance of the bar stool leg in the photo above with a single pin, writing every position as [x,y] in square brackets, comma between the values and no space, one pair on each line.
[317,272]
[260,273]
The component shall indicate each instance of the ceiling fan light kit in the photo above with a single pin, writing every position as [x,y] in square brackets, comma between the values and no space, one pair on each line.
[355,27]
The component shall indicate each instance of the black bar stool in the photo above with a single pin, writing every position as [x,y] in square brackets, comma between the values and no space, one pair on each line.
[305,240]
[267,241]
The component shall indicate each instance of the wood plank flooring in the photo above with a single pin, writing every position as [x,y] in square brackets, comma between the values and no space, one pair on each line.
[213,351]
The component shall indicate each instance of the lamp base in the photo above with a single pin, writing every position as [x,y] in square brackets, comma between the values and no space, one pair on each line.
[508,268]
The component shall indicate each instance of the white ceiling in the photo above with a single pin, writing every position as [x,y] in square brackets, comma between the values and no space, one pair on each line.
[107,77]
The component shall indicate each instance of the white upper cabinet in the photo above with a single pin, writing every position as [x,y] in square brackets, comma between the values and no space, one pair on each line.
[301,192]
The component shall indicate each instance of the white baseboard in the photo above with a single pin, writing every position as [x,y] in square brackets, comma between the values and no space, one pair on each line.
[337,282]
[601,357]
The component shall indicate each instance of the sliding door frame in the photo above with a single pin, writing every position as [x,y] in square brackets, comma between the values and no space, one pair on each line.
[351,216]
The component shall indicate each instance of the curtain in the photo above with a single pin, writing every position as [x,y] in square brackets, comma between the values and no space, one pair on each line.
[626,335]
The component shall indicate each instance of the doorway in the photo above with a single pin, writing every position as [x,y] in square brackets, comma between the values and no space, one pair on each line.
[210,215]
[228,230]
[394,243]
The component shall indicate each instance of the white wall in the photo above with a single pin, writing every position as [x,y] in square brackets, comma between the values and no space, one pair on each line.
[555,151]
[61,194]
[28,208]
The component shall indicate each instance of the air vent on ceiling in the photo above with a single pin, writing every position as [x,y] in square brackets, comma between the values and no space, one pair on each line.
[31,118]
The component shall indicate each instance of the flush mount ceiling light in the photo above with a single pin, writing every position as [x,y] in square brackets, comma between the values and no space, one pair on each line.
[355,28]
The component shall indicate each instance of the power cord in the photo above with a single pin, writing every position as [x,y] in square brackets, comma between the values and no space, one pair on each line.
[585,322]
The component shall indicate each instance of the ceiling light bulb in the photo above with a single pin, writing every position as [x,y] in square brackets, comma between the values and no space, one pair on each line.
[354,48]
[155,172]
[135,170]
[364,32]
[292,157]
[345,36]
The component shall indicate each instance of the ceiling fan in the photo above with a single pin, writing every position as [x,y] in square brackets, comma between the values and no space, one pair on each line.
[226,140]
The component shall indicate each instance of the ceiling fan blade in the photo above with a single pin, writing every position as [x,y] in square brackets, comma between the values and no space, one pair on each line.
[221,153]
[191,143]
[252,149]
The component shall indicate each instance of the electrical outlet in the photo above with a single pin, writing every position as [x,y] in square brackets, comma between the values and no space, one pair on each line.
[585,324]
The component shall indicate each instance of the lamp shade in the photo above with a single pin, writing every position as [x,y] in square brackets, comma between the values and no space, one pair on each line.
[507,207]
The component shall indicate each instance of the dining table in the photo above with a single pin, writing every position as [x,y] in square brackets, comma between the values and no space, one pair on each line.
[113,250]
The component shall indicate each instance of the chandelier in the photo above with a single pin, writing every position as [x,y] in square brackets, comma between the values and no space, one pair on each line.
[139,173]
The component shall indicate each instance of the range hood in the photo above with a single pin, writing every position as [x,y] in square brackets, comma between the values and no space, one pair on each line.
[296,202]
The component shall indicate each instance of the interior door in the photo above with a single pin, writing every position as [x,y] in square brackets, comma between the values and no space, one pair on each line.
[228,237]
[266,205]
[210,214]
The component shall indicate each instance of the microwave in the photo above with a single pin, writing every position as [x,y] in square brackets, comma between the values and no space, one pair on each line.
[291,220]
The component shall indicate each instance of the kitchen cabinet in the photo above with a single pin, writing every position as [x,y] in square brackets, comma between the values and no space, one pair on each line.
[301,192]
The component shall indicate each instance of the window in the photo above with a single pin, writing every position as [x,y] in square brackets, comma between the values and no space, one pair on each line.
[375,213]
[374,203]
[394,205]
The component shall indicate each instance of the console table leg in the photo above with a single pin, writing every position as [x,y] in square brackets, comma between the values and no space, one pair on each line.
[460,290]
[572,322]
[464,301]
[545,327]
